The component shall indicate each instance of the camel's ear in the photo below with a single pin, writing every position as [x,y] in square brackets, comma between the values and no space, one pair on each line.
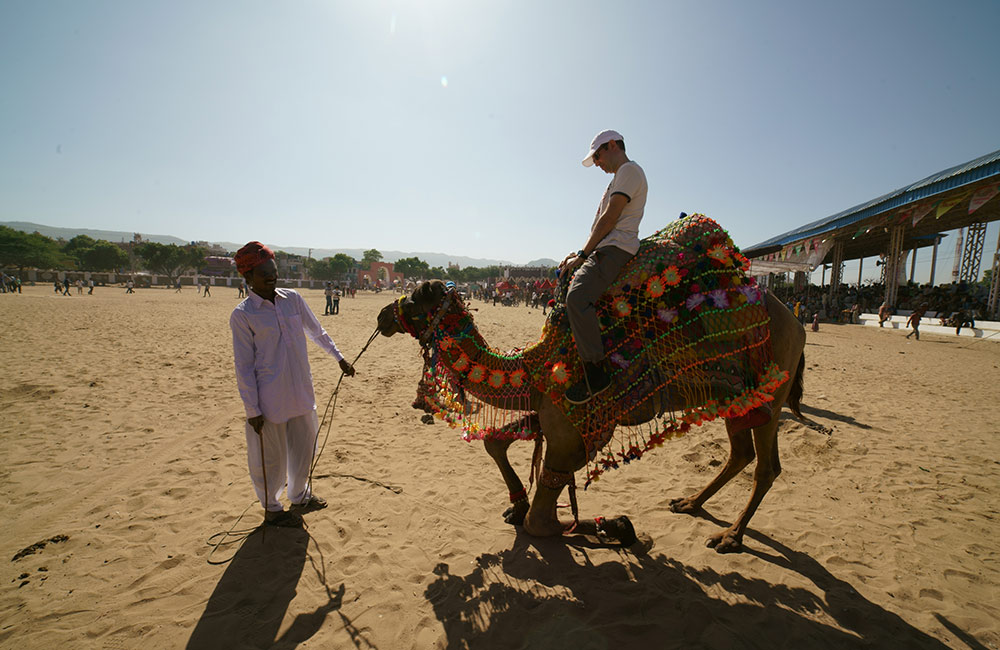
[429,293]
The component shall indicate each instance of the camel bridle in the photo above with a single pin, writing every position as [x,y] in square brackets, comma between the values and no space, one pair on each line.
[412,328]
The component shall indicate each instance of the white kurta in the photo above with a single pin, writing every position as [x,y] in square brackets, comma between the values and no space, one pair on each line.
[274,380]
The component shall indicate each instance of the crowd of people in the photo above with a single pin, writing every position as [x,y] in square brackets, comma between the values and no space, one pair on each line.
[950,302]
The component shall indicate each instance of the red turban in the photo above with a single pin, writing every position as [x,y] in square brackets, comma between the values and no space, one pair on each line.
[251,256]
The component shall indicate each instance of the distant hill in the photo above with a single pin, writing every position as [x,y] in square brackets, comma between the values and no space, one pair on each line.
[432,259]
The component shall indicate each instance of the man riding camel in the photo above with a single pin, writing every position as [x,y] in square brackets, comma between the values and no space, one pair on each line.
[613,241]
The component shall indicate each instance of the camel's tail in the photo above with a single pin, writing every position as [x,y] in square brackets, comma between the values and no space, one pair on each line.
[795,394]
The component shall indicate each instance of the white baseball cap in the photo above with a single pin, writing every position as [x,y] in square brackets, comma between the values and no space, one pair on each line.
[601,138]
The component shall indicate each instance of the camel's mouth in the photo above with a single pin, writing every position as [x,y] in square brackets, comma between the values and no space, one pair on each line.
[387,325]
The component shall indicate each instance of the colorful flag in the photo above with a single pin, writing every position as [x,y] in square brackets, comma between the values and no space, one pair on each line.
[982,196]
[948,204]
[921,211]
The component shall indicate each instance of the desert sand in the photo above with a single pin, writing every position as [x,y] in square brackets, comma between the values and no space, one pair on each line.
[123,451]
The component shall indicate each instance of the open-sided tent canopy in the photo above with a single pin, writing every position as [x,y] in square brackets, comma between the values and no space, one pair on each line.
[954,198]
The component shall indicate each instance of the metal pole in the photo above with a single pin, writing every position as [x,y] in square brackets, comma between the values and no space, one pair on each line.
[913,264]
[937,240]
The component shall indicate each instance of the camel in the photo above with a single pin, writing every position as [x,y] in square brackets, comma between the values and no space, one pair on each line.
[423,312]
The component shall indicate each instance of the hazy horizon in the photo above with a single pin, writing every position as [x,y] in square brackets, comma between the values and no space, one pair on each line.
[459,127]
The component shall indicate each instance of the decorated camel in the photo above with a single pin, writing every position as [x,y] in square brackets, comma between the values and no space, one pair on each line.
[689,337]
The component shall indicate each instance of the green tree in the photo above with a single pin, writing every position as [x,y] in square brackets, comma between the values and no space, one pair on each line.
[412,267]
[170,260]
[330,268]
[437,272]
[24,250]
[77,248]
[371,255]
[320,269]
[343,263]
[104,256]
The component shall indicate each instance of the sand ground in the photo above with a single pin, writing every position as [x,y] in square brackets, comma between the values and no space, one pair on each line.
[122,430]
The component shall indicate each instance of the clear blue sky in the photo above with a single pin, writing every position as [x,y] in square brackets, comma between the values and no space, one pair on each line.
[458,126]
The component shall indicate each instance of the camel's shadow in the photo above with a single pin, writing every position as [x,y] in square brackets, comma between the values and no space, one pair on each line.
[548,593]
[251,599]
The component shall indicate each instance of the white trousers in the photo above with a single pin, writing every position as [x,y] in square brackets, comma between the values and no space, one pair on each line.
[288,452]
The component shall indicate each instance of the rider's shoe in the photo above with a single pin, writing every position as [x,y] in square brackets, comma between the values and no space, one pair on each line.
[596,381]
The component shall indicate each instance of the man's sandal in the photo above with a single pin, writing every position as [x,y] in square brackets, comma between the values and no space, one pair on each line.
[314,503]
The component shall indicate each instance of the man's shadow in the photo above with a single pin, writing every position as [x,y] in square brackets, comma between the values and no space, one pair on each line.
[253,595]
[549,593]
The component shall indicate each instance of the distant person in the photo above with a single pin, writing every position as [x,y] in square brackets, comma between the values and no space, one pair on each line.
[336,300]
[884,313]
[66,286]
[914,320]
[275,383]
[960,319]
[208,288]
[90,287]
[243,289]
[328,292]
[177,286]
[56,286]
[130,286]
[79,287]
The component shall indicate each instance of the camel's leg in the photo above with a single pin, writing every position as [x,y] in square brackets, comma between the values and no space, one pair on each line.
[741,452]
[765,442]
[564,454]
[497,449]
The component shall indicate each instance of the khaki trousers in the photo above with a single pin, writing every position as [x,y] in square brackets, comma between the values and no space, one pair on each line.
[590,282]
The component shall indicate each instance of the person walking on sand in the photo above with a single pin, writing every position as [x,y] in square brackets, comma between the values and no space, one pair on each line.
[613,241]
[914,320]
[884,313]
[208,291]
[130,286]
[275,384]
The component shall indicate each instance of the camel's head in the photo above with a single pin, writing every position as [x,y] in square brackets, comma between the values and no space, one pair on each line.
[412,314]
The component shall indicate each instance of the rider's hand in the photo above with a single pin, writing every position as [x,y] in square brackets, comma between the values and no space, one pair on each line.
[570,262]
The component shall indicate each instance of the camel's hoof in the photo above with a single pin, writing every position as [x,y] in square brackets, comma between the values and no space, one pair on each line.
[724,542]
[620,528]
[684,505]
[515,514]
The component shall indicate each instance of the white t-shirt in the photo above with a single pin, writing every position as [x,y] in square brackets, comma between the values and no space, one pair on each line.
[629,181]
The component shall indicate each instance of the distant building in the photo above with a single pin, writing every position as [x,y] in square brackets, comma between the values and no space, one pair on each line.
[291,266]
[379,274]
[218,265]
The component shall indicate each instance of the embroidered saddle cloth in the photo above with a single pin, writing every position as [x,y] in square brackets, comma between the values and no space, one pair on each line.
[686,335]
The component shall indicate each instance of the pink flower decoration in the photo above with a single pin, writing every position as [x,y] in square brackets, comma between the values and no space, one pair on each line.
[752,294]
[667,315]
[719,298]
[694,300]
[618,360]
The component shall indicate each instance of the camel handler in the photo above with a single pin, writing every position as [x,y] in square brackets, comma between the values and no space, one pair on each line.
[613,241]
[275,384]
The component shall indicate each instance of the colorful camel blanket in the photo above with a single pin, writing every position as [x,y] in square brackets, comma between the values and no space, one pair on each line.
[687,338]
[686,335]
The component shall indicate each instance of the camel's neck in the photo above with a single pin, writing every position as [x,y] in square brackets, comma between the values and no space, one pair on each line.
[490,376]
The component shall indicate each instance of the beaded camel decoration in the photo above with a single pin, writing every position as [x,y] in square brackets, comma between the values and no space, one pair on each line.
[689,338]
